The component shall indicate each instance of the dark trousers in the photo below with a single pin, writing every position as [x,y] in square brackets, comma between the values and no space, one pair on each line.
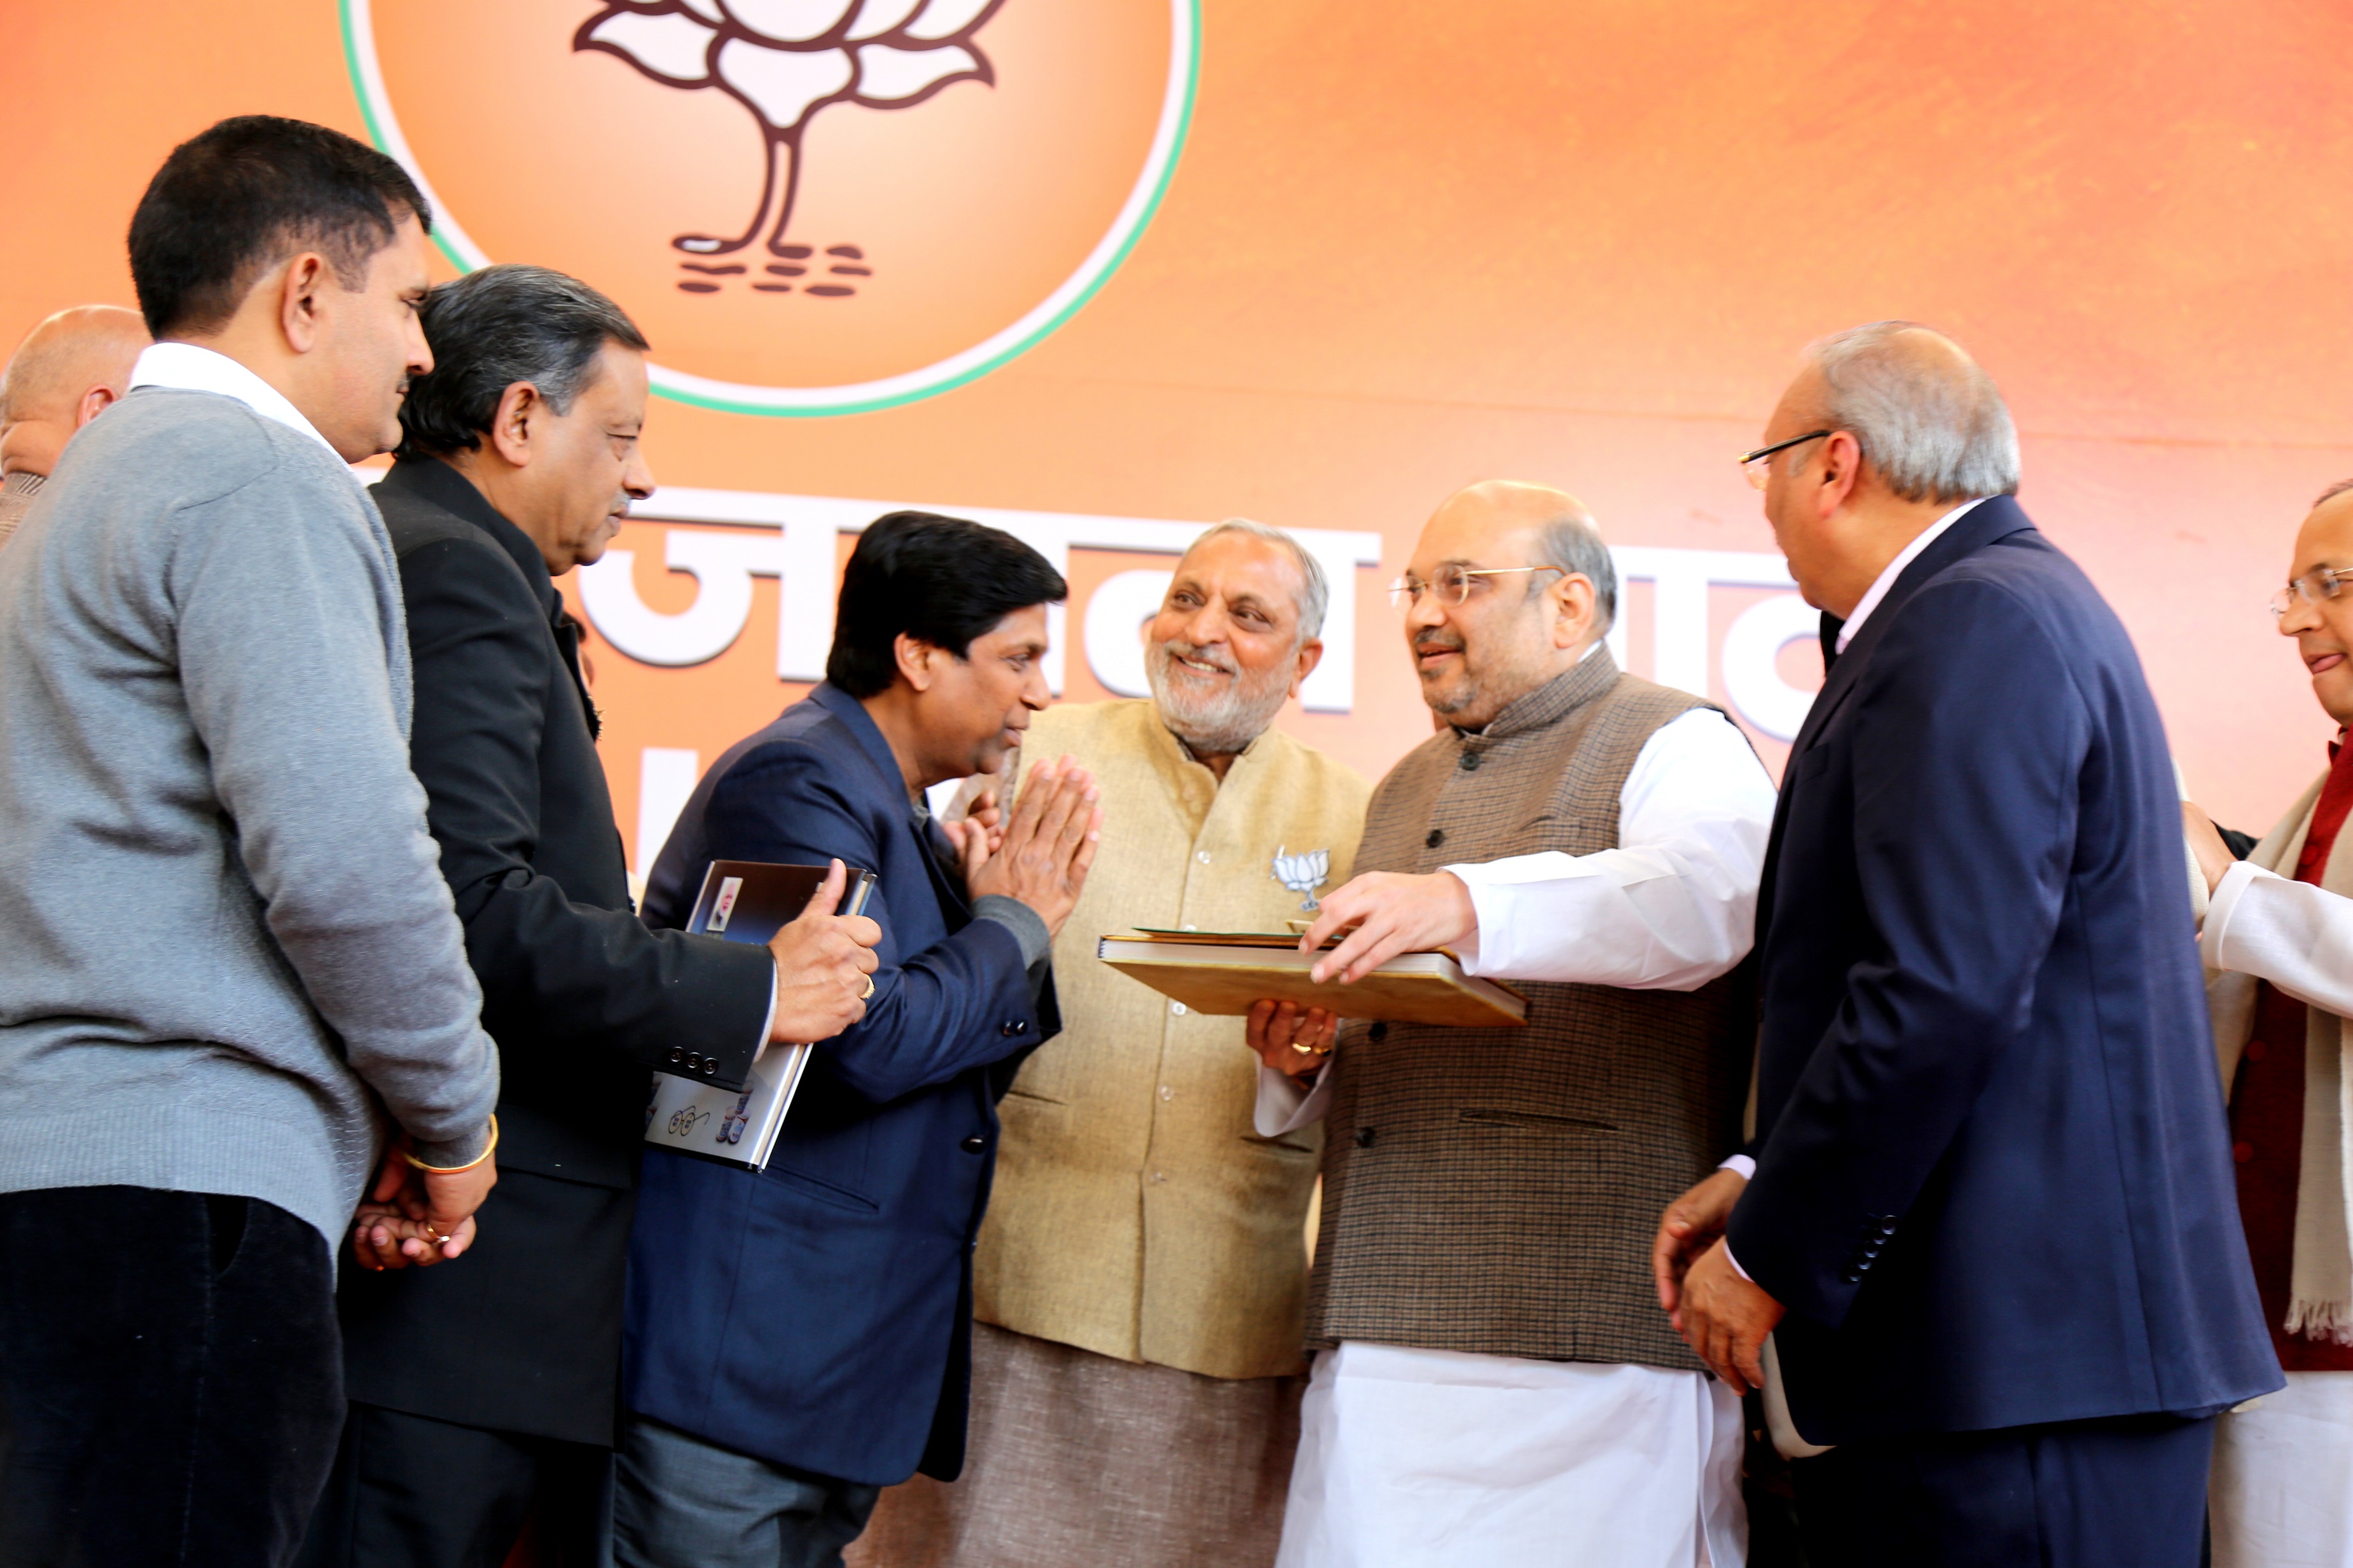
[412,1492]
[171,1379]
[682,1502]
[2124,1492]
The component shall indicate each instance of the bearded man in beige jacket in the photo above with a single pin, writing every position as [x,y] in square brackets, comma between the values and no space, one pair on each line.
[1142,1277]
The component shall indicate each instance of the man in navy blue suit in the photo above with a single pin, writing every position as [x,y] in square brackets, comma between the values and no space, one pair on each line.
[799,1338]
[1988,1216]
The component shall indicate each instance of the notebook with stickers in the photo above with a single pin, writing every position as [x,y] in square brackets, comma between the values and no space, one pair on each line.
[746,901]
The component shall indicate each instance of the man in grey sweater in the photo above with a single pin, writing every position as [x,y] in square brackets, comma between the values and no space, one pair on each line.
[233,966]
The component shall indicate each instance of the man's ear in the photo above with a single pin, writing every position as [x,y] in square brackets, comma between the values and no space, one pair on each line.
[94,402]
[1311,654]
[1841,470]
[520,409]
[1574,607]
[915,659]
[306,277]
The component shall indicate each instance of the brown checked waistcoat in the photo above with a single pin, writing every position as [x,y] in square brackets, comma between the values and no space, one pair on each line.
[1496,1190]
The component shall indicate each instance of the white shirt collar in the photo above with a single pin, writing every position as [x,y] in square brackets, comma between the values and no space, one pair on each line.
[1905,557]
[187,368]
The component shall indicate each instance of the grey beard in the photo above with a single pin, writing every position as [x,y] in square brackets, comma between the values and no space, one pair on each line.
[1225,725]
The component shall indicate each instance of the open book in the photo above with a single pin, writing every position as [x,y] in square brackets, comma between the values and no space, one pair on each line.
[742,901]
[1225,972]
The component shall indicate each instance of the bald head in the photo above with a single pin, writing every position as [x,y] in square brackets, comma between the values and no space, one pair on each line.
[1537,590]
[66,373]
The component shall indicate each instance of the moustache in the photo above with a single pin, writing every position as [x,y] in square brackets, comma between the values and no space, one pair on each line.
[1435,641]
[1200,655]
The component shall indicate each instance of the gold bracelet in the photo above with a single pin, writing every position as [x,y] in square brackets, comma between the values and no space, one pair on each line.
[488,1150]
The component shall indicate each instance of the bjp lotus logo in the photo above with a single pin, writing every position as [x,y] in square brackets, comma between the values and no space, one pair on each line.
[812,206]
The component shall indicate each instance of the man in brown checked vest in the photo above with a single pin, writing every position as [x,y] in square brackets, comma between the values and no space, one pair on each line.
[1495,1382]
[1142,1277]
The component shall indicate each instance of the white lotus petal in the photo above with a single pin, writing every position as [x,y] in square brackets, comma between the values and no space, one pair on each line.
[887,75]
[709,10]
[880,15]
[782,83]
[665,44]
[789,21]
[942,19]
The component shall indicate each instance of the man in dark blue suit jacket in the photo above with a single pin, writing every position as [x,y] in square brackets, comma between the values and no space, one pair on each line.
[1991,1185]
[798,1338]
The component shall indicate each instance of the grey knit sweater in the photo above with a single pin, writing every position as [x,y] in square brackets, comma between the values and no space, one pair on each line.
[226,947]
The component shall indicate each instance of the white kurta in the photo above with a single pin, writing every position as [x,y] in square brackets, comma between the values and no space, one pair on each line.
[2281,1494]
[1419,1459]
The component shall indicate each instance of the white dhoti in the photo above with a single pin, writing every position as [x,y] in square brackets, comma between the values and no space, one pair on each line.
[1413,1459]
[2283,1490]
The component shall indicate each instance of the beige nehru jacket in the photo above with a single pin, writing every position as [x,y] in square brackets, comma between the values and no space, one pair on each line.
[1136,1213]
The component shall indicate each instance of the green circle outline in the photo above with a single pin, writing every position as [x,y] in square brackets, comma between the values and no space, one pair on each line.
[870,406]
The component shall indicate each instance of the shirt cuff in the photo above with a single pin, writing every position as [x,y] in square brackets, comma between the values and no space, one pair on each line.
[1283,1106]
[2221,905]
[1028,926]
[1746,1164]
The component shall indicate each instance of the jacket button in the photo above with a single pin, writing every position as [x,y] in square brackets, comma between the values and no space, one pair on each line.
[1014,1026]
[677,1054]
[1436,836]
[1852,1277]
[1378,1032]
[693,1060]
[1470,762]
[2242,1153]
[711,1067]
[974,1144]
[1365,1136]
[2256,1050]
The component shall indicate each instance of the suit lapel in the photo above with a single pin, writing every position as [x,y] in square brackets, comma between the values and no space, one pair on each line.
[879,756]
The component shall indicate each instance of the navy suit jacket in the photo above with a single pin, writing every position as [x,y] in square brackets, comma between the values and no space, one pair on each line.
[818,1314]
[1993,1174]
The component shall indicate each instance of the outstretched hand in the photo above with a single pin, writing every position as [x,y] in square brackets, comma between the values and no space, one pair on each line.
[1391,914]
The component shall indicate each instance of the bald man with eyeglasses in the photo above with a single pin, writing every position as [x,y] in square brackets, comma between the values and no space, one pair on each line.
[1494,1381]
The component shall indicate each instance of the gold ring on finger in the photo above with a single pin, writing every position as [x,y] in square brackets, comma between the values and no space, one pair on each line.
[1304,1050]
[862,995]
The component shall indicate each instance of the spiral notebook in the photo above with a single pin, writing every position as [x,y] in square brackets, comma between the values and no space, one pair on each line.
[747,901]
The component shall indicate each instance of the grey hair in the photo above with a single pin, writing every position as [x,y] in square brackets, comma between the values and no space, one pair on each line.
[1933,431]
[1314,591]
[493,328]
[1572,544]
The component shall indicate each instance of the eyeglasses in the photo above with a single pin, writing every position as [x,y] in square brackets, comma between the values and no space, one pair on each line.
[1757,466]
[1452,584]
[2320,583]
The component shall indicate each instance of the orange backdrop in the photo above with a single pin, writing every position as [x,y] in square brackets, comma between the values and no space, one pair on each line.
[1407,247]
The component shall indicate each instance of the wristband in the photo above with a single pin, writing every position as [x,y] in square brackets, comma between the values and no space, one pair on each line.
[488,1150]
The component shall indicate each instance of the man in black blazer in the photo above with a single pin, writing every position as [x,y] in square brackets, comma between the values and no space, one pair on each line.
[485,1390]
[1990,1186]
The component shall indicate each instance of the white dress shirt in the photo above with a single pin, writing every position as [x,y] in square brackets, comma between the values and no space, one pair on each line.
[1670,908]
[184,367]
